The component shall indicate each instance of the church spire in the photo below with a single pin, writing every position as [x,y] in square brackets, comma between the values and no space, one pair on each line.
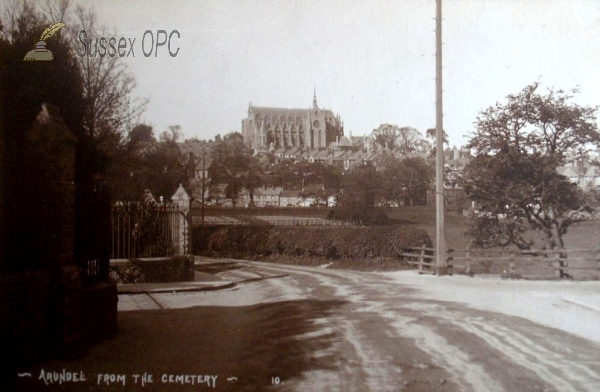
[315,97]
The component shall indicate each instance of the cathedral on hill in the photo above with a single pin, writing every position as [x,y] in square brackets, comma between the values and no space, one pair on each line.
[269,128]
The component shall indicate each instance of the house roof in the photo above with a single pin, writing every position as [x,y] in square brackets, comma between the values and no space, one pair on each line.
[196,147]
[344,141]
[180,190]
[268,191]
[207,164]
[292,151]
[291,194]
[321,154]
[358,139]
[569,171]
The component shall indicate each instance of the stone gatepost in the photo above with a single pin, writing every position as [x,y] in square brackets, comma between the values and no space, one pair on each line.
[51,160]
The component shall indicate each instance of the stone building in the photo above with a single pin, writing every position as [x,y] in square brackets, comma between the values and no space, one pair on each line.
[269,128]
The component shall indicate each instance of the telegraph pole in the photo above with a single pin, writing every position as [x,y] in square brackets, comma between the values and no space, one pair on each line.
[440,250]
[203,176]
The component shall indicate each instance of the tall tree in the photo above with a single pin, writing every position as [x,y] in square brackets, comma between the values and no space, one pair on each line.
[361,190]
[431,134]
[320,182]
[530,122]
[395,138]
[108,84]
[235,164]
[406,181]
[514,180]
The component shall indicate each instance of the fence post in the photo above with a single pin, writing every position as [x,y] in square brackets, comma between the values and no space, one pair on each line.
[558,264]
[468,260]
[422,257]
[511,266]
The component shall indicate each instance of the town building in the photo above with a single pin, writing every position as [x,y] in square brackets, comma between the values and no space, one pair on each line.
[584,172]
[270,128]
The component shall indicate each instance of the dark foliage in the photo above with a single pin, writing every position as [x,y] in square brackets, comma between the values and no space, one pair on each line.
[328,243]
[514,180]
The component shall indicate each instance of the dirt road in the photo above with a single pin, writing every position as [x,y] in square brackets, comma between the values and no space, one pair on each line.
[290,328]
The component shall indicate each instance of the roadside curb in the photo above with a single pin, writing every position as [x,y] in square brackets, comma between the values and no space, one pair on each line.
[174,289]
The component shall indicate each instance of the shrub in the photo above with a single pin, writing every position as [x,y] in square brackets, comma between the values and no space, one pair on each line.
[327,243]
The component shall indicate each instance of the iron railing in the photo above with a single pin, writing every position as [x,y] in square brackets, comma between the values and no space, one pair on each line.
[140,230]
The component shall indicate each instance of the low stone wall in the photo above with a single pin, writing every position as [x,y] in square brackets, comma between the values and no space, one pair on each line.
[152,270]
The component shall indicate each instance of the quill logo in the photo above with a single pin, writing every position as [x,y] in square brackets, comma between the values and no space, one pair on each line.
[40,53]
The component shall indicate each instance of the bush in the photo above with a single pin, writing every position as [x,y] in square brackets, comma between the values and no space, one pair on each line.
[326,243]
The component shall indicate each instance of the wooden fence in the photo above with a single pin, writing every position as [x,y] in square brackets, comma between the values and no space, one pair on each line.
[511,262]
[227,221]
[423,258]
[306,222]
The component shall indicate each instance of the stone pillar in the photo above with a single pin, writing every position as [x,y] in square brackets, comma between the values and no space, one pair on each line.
[51,168]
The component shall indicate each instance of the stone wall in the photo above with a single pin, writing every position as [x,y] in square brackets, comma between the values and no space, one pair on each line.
[152,270]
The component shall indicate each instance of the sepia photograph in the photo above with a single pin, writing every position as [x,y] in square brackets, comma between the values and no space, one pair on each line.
[300,195]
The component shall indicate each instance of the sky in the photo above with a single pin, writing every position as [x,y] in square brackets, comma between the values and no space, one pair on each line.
[373,62]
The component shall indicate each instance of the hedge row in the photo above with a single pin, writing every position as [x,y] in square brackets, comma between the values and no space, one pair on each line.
[323,242]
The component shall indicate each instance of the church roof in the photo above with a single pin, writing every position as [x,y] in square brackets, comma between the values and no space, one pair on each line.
[272,112]
[278,112]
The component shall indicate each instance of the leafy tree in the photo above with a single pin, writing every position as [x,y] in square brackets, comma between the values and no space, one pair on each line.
[235,164]
[174,134]
[360,192]
[406,181]
[533,122]
[320,182]
[395,138]
[514,179]
[164,169]
[142,162]
[432,134]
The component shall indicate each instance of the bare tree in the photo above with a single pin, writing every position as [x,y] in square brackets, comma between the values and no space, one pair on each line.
[108,84]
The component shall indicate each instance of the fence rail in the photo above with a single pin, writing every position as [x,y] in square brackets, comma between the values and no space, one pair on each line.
[306,222]
[212,221]
[421,257]
[560,260]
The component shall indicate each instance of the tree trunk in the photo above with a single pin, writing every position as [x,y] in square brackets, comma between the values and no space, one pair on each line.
[558,244]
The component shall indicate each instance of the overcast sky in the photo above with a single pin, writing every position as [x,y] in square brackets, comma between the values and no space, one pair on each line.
[370,61]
